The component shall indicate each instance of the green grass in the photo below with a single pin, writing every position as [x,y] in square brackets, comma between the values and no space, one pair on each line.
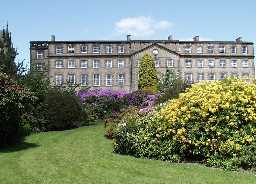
[84,156]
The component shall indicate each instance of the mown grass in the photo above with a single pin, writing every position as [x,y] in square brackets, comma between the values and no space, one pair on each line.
[84,156]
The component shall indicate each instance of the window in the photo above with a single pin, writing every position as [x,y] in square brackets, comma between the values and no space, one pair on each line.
[189,77]
[188,63]
[200,63]
[96,49]
[234,63]
[84,48]
[109,63]
[245,76]
[211,76]
[188,50]
[84,80]
[71,63]
[244,50]
[96,63]
[59,64]
[120,63]
[59,49]
[96,79]
[39,66]
[120,49]
[120,79]
[211,63]
[109,80]
[233,49]
[210,49]
[40,54]
[71,49]
[223,76]
[83,63]
[59,79]
[170,63]
[245,63]
[200,76]
[222,63]
[222,49]
[71,79]
[157,63]
[108,49]
[199,50]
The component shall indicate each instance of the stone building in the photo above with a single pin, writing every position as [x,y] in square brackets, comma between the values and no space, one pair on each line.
[114,64]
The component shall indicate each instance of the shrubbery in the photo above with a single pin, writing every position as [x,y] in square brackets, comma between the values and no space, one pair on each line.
[15,100]
[212,122]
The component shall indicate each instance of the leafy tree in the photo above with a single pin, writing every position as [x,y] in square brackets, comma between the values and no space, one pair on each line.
[147,74]
[7,53]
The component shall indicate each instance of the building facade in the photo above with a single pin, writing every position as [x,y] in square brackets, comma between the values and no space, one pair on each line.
[114,64]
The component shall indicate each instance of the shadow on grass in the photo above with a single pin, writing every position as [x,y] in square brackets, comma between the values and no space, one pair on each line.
[19,147]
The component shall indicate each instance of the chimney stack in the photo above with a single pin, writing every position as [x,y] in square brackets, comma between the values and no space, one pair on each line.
[128,37]
[196,39]
[170,37]
[239,39]
[52,38]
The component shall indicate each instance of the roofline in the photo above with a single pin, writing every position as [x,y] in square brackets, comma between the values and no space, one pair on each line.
[144,41]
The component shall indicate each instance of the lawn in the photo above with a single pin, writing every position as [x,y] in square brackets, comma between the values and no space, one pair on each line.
[84,156]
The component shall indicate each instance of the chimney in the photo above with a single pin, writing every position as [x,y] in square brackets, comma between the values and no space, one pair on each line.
[239,39]
[128,37]
[170,37]
[52,38]
[196,39]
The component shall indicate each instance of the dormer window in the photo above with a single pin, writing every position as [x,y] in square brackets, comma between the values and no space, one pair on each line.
[210,49]
[188,50]
[233,49]
[59,49]
[199,50]
[71,49]
[244,50]
[96,49]
[83,48]
[120,49]
[108,49]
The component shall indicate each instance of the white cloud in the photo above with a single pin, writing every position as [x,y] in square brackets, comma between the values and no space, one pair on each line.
[141,26]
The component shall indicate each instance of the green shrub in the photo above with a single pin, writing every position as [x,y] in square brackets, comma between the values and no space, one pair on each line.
[15,100]
[64,110]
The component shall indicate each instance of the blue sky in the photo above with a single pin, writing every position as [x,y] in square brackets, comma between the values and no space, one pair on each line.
[113,19]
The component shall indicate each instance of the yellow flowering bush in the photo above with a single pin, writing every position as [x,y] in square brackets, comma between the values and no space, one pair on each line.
[212,122]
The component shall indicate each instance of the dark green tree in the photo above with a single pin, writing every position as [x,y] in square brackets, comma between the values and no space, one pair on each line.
[147,74]
[7,53]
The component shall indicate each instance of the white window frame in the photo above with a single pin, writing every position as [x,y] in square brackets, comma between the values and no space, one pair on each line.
[39,67]
[59,79]
[200,76]
[222,49]
[96,80]
[83,63]
[234,63]
[71,49]
[169,63]
[188,49]
[188,63]
[245,63]
[210,75]
[83,49]
[109,79]
[199,50]
[244,51]
[189,77]
[210,49]
[120,63]
[71,77]
[96,63]
[121,79]
[200,63]
[71,63]
[222,63]
[96,49]
[120,49]
[233,49]
[58,65]
[40,54]
[109,49]
[84,79]
[108,63]
[211,63]
[59,49]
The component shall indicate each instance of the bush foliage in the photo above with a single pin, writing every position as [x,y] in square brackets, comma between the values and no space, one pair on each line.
[211,122]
